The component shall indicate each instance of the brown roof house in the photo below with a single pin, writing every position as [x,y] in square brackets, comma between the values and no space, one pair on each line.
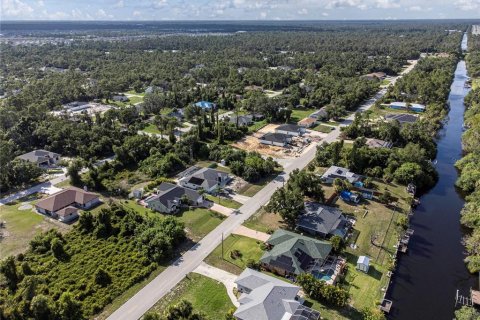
[64,204]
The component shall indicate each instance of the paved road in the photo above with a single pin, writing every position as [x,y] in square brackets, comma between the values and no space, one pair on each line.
[168,279]
[144,299]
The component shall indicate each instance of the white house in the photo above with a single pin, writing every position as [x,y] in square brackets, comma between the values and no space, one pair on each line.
[206,179]
[290,129]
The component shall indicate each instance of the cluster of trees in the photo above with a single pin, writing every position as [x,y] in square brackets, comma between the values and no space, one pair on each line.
[469,167]
[322,292]
[73,276]
[406,165]
[248,165]
[288,201]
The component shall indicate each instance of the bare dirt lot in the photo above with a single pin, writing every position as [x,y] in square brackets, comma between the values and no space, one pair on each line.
[298,145]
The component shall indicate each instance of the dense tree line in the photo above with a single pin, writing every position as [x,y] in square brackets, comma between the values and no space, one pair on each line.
[73,276]
[469,165]
[322,292]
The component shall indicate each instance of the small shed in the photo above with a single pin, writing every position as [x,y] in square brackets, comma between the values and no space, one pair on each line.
[363,263]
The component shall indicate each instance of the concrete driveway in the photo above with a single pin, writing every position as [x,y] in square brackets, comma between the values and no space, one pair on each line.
[220,209]
[227,278]
[240,198]
[254,234]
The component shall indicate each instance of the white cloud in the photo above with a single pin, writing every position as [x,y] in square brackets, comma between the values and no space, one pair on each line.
[263,14]
[160,4]
[137,13]
[16,8]
[415,8]
[467,5]
[119,4]
[40,3]
[387,4]
[325,14]
[303,11]
[332,4]
[103,15]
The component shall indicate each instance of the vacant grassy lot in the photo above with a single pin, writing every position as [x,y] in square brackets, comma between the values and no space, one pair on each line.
[323,128]
[475,84]
[21,226]
[199,222]
[300,113]
[226,202]
[206,295]
[264,221]
[151,128]
[257,126]
[135,93]
[251,188]
[249,249]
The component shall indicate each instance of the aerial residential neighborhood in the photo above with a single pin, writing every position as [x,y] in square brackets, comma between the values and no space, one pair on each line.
[250,161]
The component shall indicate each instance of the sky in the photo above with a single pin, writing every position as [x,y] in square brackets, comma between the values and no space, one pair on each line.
[121,10]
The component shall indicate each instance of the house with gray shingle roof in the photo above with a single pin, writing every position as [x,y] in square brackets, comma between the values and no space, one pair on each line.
[41,158]
[242,121]
[267,298]
[292,254]
[170,196]
[205,178]
[321,220]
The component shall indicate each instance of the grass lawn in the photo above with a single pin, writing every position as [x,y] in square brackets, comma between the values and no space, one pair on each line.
[199,222]
[206,295]
[251,189]
[229,203]
[211,164]
[21,226]
[134,99]
[64,184]
[135,93]
[385,82]
[300,113]
[257,126]
[264,221]
[323,128]
[151,128]
[248,247]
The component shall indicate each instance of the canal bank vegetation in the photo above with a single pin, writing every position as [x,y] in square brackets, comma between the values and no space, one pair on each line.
[469,165]
[409,161]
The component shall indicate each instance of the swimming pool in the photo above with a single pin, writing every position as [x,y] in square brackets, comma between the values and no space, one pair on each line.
[325,276]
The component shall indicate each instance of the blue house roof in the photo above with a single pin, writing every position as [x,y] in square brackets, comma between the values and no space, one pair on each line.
[205,105]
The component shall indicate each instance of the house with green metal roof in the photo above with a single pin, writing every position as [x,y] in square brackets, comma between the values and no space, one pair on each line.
[291,254]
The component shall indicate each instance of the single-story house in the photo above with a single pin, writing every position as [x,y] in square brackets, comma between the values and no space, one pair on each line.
[205,105]
[401,117]
[243,121]
[264,297]
[257,116]
[291,254]
[290,129]
[415,107]
[276,139]
[335,172]
[205,178]
[320,114]
[307,122]
[169,198]
[152,89]
[377,143]
[74,104]
[363,263]
[177,113]
[321,220]
[64,204]
[120,98]
[253,88]
[41,158]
